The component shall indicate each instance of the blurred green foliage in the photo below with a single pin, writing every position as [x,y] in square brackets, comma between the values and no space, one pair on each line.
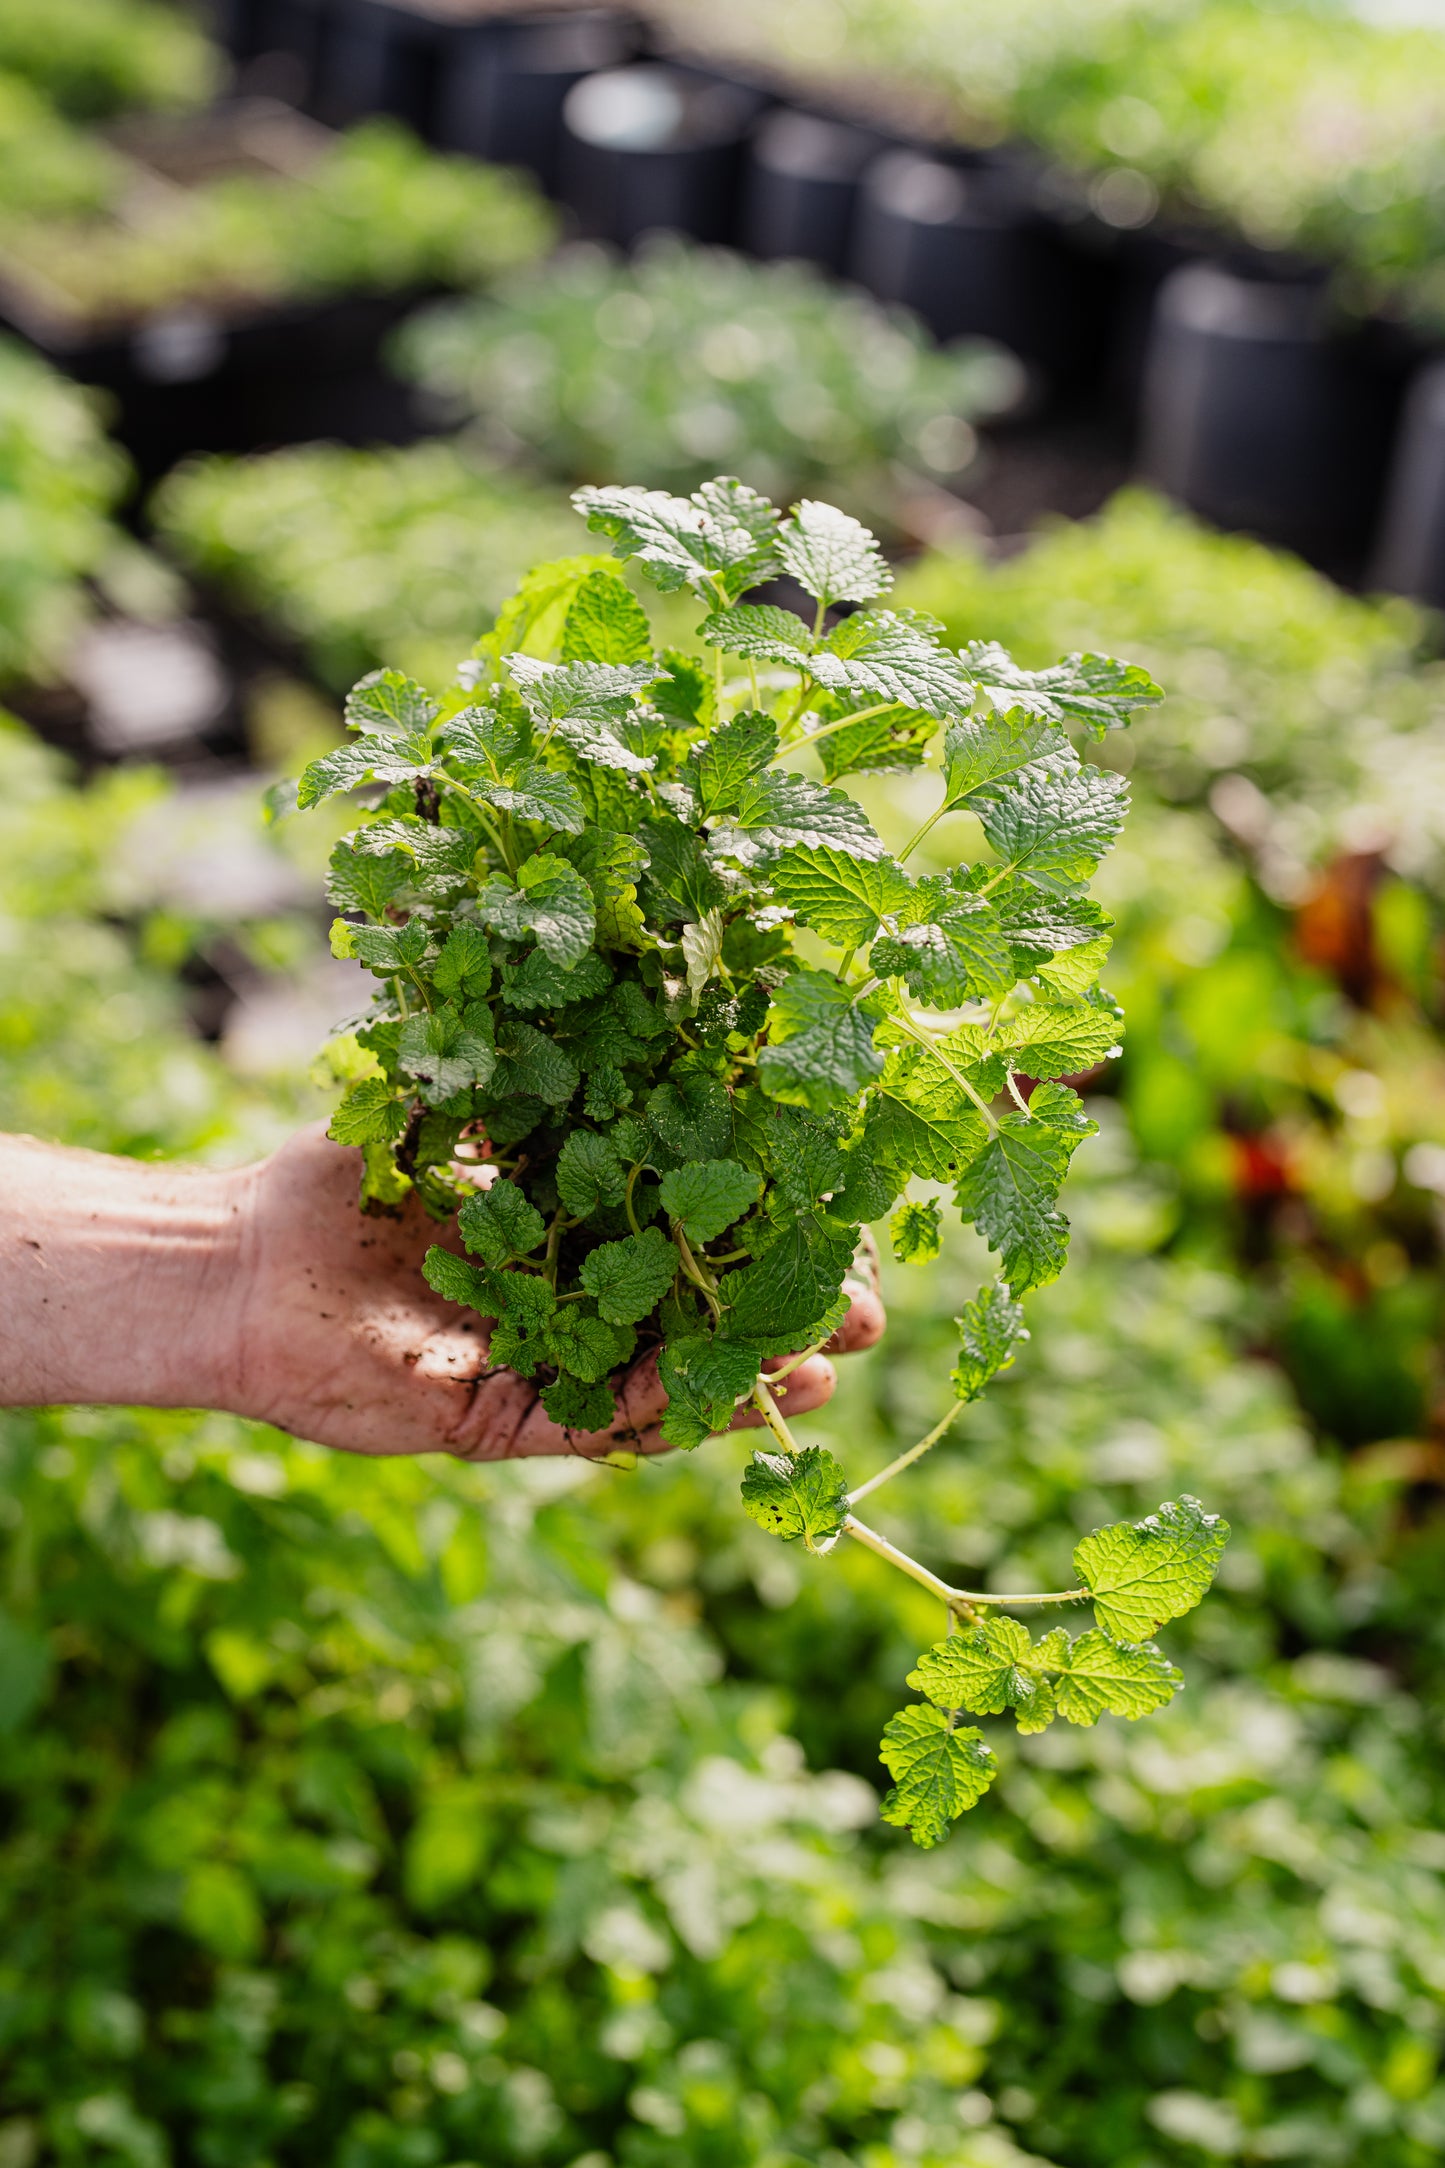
[374,212]
[660,369]
[360,557]
[100,57]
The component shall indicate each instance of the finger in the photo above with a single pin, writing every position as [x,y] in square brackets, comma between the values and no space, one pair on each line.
[805,1388]
[865,1323]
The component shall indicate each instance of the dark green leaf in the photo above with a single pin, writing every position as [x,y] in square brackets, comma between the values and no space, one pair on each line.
[499,1225]
[796,1495]
[820,1050]
[366,880]
[776,813]
[1054,820]
[723,763]
[990,1329]
[630,1277]
[589,1174]
[759,630]
[708,1195]
[843,898]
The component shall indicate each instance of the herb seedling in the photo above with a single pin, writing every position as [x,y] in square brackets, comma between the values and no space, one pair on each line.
[580,891]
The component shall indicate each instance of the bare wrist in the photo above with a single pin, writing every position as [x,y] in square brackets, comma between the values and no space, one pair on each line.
[121,1281]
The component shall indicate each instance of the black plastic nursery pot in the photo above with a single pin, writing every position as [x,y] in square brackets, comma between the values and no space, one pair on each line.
[280,42]
[653,148]
[502,84]
[1409,555]
[1260,414]
[192,379]
[966,246]
[801,184]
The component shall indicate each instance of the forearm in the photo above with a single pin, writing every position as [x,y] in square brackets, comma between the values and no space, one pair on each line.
[114,1279]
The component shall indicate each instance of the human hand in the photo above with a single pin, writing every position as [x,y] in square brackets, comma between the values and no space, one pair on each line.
[339,1339]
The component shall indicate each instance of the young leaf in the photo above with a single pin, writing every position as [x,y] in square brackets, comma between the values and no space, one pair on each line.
[721,540]
[448,1051]
[1098,1676]
[389,700]
[957,952]
[986,1669]
[692,1116]
[370,1113]
[499,1226]
[524,1306]
[606,623]
[1056,1038]
[463,971]
[1091,689]
[455,1280]
[796,1495]
[1054,820]
[791,1288]
[990,1329]
[916,1232]
[551,900]
[759,630]
[366,880]
[844,898]
[832,557]
[708,1196]
[1010,1190]
[587,1346]
[579,1407]
[1143,1573]
[722,763]
[629,1277]
[704,1380]
[983,749]
[894,655]
[589,1174]
[919,1134]
[534,617]
[938,1772]
[820,1050]
[775,813]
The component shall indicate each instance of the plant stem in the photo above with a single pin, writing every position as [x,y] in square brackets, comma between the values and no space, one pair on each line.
[905,1460]
[912,844]
[843,968]
[871,1540]
[1017,1096]
[774,1376]
[484,815]
[701,1280]
[772,1415]
[845,722]
[906,1024]
[627,1199]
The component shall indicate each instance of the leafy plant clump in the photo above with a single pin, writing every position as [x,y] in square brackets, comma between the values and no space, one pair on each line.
[706,1028]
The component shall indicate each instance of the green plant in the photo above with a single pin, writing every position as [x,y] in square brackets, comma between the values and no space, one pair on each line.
[99,57]
[696,1141]
[656,368]
[360,557]
[375,212]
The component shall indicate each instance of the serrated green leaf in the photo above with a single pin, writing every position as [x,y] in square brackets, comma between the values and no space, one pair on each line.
[988,1668]
[366,880]
[982,749]
[523,1305]
[820,1050]
[388,700]
[1091,689]
[916,1232]
[586,1346]
[953,950]
[535,793]
[1075,971]
[1143,1573]
[611,863]
[832,557]
[535,615]
[1098,1676]
[797,1495]
[489,736]
[531,1065]
[387,949]
[843,898]
[874,744]
[606,623]
[938,1772]
[591,706]
[448,1051]
[551,900]
[704,1379]
[1010,1190]
[499,1225]
[678,874]
[759,630]
[1056,1038]
[894,655]
[457,1281]
[578,1406]
[990,1330]
[907,1130]
[538,982]
[776,813]
[692,1116]
[463,970]
[370,759]
[1054,820]
[370,1113]
[720,540]
[791,1286]
[630,1277]
[708,1195]
[589,1174]
[722,763]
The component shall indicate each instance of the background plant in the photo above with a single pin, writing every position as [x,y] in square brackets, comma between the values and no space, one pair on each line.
[656,369]
[96,58]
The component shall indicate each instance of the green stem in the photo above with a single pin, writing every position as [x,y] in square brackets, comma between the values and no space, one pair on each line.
[1016,1095]
[843,968]
[627,1199]
[905,1024]
[484,815]
[793,1362]
[772,1415]
[882,1548]
[845,722]
[905,1460]
[931,822]
[753,682]
[703,1281]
